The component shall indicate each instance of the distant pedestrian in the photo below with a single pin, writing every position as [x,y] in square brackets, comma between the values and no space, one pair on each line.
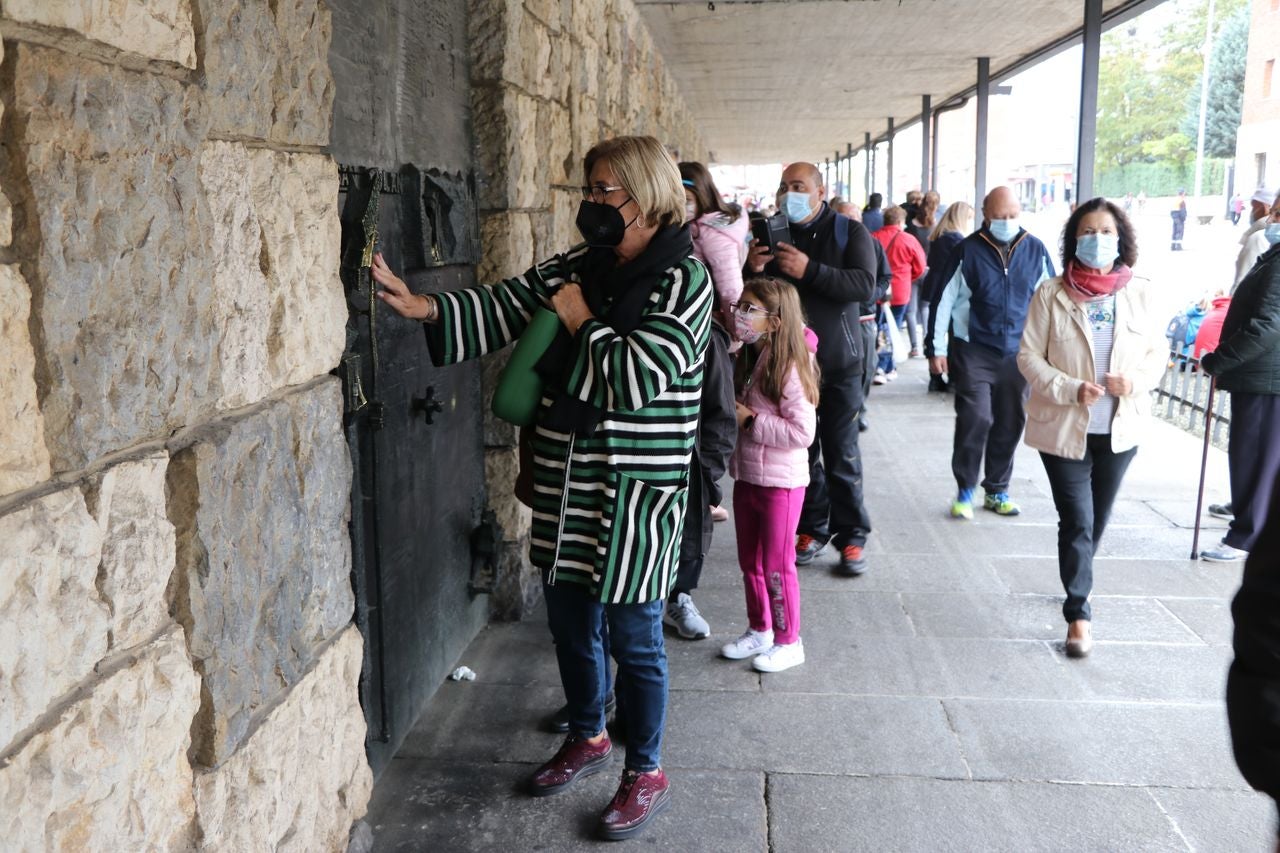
[777,392]
[1247,363]
[952,228]
[1179,216]
[1142,200]
[907,260]
[985,301]
[872,215]
[921,226]
[1091,351]
[1236,208]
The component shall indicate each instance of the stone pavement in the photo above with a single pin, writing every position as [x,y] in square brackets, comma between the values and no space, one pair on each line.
[935,711]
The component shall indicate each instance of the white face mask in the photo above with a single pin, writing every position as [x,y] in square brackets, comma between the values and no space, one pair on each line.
[690,211]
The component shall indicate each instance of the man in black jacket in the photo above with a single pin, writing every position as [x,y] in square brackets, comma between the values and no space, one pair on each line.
[1247,363]
[832,263]
[1253,684]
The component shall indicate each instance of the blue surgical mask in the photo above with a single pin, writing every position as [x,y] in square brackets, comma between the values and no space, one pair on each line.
[1097,250]
[1004,230]
[1273,233]
[797,207]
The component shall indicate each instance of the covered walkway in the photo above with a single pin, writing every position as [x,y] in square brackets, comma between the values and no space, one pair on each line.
[936,710]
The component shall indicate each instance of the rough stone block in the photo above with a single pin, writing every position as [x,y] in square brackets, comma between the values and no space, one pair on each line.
[267,68]
[295,198]
[506,245]
[24,458]
[508,149]
[497,432]
[111,772]
[53,625]
[260,504]
[128,502]
[557,166]
[155,29]
[501,467]
[301,778]
[238,281]
[493,27]
[123,307]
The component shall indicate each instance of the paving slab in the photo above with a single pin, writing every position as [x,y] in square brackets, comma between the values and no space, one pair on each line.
[1210,620]
[1150,744]
[421,805]
[1039,617]
[810,813]
[1120,576]
[798,732]
[1220,821]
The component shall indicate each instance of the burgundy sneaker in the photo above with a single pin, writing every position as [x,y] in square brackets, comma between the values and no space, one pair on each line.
[576,758]
[639,798]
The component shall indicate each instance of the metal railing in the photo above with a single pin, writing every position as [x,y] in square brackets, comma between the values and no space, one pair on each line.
[1183,395]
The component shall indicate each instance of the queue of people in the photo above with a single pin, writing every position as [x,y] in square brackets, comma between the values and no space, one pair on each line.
[691,346]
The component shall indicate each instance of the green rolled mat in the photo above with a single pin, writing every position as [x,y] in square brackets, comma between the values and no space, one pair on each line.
[519,390]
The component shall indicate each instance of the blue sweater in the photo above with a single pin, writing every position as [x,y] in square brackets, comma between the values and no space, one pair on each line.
[985,299]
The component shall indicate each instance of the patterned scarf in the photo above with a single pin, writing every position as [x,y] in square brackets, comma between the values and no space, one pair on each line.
[1091,284]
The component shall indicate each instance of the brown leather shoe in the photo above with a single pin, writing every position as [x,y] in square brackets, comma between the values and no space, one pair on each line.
[1079,639]
[577,757]
[640,797]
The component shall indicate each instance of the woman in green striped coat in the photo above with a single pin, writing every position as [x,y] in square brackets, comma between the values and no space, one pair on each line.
[611,446]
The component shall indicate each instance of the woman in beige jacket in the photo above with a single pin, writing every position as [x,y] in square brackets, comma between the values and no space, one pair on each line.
[1092,349]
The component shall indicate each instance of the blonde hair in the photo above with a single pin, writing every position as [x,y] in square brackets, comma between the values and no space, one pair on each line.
[953,219]
[788,348]
[644,168]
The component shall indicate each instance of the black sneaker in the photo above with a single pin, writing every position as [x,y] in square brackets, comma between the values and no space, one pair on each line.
[806,549]
[1222,511]
[852,561]
[937,383]
[559,721]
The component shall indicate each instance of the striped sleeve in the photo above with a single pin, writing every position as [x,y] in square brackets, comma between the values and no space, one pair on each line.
[627,372]
[479,320]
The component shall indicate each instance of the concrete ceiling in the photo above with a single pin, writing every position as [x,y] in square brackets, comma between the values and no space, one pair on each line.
[776,81]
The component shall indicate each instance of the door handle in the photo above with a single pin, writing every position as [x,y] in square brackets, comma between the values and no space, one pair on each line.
[428,405]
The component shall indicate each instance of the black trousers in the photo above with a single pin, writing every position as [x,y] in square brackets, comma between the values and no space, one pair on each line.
[1253,457]
[990,414]
[833,501]
[1084,491]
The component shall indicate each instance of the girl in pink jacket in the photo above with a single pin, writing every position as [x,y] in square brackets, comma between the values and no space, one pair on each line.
[777,389]
[719,232]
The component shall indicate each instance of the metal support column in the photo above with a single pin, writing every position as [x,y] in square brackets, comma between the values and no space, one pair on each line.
[980,142]
[888,172]
[866,181]
[833,186]
[848,159]
[826,171]
[1088,100]
[926,113]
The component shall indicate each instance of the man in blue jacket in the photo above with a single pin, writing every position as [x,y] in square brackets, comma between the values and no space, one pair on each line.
[991,277]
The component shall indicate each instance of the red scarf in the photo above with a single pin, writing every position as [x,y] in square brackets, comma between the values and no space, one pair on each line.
[1091,284]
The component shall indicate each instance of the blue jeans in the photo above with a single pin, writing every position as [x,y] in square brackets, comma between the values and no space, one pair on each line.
[635,639]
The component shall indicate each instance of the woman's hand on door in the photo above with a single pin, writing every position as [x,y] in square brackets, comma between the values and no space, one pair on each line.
[396,293]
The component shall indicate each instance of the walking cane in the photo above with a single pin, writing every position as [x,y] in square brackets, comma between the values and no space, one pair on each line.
[1204,461]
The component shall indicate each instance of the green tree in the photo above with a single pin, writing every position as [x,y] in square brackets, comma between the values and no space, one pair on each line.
[1226,88]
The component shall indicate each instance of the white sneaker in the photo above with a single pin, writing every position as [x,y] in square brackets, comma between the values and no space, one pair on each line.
[879,378]
[779,657]
[750,643]
[1223,553]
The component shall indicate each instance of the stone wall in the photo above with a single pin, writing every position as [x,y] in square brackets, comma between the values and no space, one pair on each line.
[550,79]
[178,668]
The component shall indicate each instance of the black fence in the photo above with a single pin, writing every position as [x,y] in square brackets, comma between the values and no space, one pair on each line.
[1183,399]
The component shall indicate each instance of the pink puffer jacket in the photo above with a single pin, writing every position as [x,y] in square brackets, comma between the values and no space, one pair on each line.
[722,246]
[775,451]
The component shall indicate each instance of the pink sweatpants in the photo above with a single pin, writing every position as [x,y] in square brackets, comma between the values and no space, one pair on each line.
[766,518]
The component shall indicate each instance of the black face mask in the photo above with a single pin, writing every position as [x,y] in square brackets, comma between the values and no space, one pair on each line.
[601,224]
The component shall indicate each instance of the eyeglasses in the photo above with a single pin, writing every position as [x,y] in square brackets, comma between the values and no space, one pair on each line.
[748,309]
[598,193]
